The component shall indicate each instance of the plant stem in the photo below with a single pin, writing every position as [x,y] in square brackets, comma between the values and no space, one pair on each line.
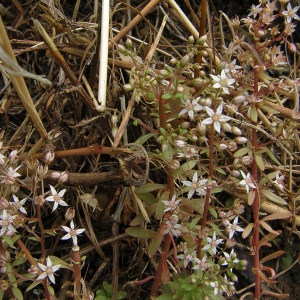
[256,205]
[208,193]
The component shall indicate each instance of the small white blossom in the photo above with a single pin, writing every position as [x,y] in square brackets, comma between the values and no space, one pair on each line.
[48,270]
[172,204]
[11,175]
[72,233]
[232,257]
[212,243]
[6,223]
[234,227]
[18,205]
[172,226]
[188,152]
[191,107]
[215,285]
[279,181]
[56,198]
[196,185]
[201,264]
[215,117]
[255,10]
[290,13]
[247,181]
[223,82]
[187,258]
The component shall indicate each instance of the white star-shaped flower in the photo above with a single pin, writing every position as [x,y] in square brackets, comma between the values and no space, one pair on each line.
[215,118]
[72,233]
[48,270]
[212,243]
[222,82]
[172,204]
[234,227]
[191,107]
[290,13]
[6,223]
[57,198]
[196,185]
[247,181]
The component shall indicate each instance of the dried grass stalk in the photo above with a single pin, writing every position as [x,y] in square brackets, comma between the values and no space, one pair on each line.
[19,83]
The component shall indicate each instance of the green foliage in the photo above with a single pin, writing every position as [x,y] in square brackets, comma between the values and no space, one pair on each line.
[106,293]
[193,287]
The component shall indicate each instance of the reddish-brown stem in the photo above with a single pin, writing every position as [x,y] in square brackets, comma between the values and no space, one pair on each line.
[159,271]
[95,149]
[203,16]
[76,269]
[171,188]
[32,261]
[42,238]
[254,171]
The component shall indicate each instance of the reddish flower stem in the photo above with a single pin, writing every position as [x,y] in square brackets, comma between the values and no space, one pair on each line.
[256,205]
[171,187]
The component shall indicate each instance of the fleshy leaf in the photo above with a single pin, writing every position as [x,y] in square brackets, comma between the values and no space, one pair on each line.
[259,162]
[141,233]
[273,197]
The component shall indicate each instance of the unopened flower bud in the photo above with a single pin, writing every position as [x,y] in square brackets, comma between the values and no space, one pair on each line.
[241,140]
[197,82]
[180,89]
[222,147]
[128,44]
[180,143]
[164,147]
[292,47]
[64,176]
[114,131]
[247,160]
[202,40]
[235,173]
[174,164]
[122,49]
[173,61]
[32,270]
[208,102]
[240,99]
[261,32]
[185,125]
[235,130]
[185,61]
[201,128]
[127,87]
[226,127]
[234,278]
[114,119]
[49,153]
[191,39]
[41,170]
[13,156]
[70,214]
